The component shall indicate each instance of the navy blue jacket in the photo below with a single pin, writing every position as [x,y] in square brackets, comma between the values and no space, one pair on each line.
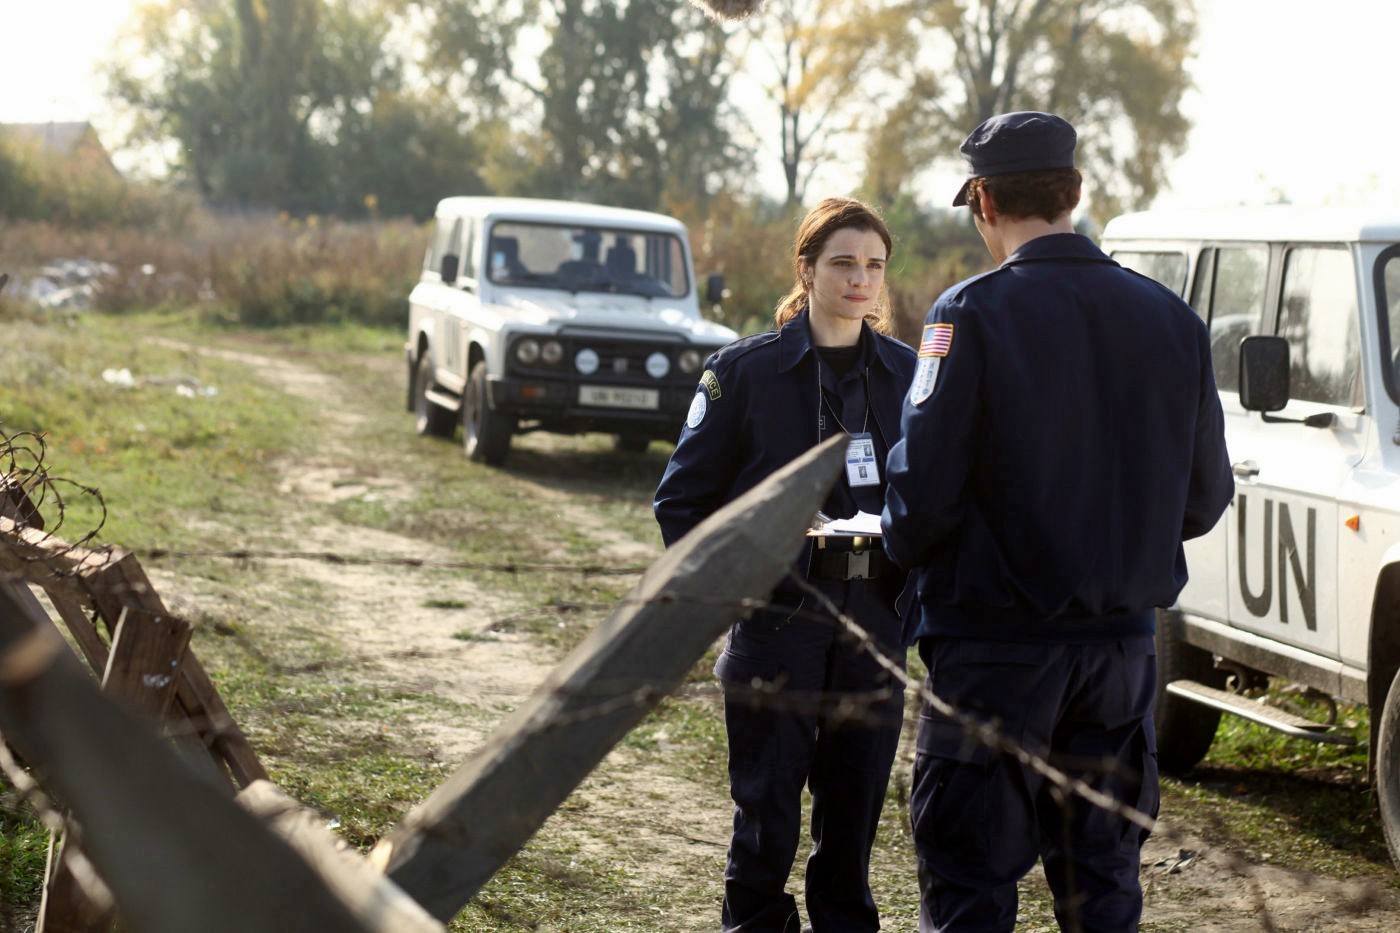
[757,409]
[1059,443]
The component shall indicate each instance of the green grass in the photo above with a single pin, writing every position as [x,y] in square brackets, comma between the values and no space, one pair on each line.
[23,852]
[1304,805]
[206,474]
[156,455]
[176,472]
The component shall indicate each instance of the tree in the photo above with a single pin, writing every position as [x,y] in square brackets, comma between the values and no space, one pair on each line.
[618,101]
[232,85]
[402,155]
[289,104]
[1113,68]
[819,64]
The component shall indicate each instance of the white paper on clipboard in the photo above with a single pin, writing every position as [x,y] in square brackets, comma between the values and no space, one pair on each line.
[861,523]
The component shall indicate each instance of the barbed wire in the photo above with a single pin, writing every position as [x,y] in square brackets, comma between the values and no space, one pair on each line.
[422,563]
[23,465]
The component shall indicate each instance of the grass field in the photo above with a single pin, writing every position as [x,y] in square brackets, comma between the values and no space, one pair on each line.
[223,465]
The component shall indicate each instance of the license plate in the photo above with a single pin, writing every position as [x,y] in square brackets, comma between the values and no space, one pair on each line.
[618,397]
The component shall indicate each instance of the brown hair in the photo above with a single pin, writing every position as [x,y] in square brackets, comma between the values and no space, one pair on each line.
[1048,194]
[816,228]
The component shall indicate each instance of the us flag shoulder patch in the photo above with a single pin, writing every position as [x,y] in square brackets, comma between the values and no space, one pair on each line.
[937,340]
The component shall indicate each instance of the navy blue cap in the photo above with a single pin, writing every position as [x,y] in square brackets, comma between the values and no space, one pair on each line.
[1025,141]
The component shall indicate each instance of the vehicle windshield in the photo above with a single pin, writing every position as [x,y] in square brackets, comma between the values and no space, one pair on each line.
[582,258]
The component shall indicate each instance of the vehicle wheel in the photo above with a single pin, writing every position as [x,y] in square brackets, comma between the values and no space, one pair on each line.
[1388,768]
[1185,728]
[432,419]
[631,443]
[485,432]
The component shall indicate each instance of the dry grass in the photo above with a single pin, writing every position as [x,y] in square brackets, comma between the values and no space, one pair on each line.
[255,270]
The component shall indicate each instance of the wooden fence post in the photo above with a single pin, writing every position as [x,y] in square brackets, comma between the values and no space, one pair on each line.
[170,842]
[367,892]
[453,842]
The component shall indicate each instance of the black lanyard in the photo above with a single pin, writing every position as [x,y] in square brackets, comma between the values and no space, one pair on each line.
[823,404]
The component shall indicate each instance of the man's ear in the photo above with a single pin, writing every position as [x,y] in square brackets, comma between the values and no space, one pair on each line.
[986,205]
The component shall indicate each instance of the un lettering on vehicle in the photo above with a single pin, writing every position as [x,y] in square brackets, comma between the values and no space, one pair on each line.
[1283,557]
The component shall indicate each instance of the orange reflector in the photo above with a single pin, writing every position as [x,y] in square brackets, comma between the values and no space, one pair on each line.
[1354,523]
[531,391]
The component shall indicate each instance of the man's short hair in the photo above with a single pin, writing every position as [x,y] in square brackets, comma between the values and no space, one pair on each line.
[1050,194]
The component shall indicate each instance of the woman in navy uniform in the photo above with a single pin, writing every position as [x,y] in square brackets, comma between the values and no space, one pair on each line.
[762,401]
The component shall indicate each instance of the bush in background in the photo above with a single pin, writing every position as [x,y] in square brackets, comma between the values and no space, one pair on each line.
[255,270]
[273,271]
[135,246]
[77,191]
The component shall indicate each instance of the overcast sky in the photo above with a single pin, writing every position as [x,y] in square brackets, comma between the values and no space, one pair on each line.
[1289,101]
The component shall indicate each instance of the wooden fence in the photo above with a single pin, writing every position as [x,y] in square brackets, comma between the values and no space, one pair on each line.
[172,823]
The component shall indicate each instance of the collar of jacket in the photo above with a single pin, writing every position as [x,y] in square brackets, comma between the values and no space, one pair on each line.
[1062,246]
[795,341]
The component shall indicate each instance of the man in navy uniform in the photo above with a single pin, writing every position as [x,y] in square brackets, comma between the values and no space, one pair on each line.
[1062,437]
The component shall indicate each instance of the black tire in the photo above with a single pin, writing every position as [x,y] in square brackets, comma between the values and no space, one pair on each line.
[431,419]
[485,432]
[631,443]
[1388,768]
[1185,729]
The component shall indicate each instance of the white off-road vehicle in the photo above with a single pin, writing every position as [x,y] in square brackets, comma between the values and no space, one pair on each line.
[1300,580]
[555,316]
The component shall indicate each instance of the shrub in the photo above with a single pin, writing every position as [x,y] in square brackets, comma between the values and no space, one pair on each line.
[258,270]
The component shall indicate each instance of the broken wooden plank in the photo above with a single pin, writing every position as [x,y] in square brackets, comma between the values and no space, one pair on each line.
[69,904]
[176,850]
[376,900]
[75,616]
[107,581]
[16,504]
[452,843]
[42,560]
[143,668]
[121,582]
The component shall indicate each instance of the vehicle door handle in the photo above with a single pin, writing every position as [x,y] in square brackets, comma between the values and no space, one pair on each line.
[1245,469]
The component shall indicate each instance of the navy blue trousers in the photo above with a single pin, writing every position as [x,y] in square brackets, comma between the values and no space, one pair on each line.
[981,818]
[803,705]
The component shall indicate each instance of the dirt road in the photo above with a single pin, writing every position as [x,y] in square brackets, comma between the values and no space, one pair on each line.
[670,828]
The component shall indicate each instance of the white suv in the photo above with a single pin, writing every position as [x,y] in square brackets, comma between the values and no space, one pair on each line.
[1300,580]
[555,316]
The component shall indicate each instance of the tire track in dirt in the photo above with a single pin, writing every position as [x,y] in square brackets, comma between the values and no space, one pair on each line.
[387,616]
[631,811]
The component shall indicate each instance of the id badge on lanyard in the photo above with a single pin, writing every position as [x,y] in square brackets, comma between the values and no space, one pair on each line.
[861,468]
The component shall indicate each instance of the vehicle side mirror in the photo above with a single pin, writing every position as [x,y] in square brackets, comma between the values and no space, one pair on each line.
[449,267]
[714,289]
[1264,373]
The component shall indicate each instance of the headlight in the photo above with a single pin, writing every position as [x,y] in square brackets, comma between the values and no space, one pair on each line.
[586,361]
[690,361]
[527,351]
[552,352]
[658,365]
